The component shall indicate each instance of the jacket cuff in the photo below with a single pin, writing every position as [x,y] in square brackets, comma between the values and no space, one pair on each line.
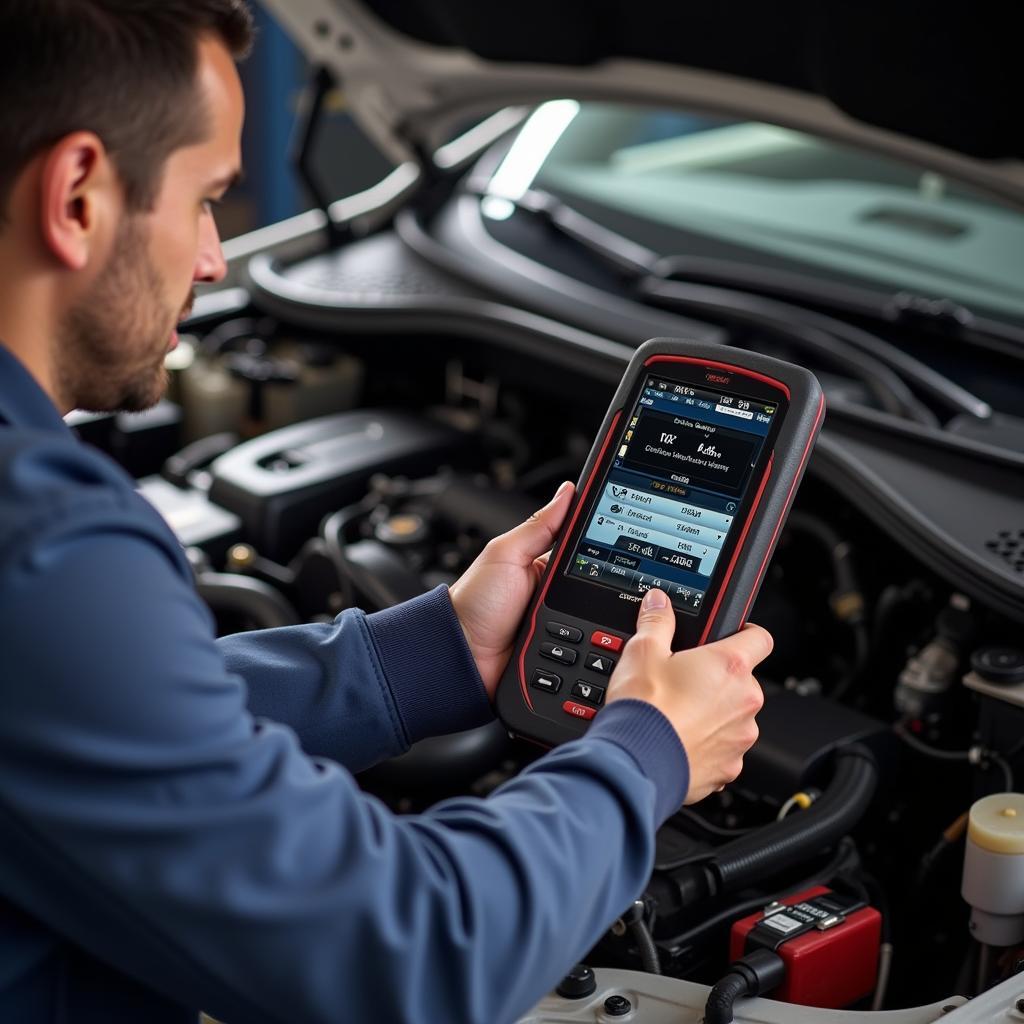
[428,666]
[645,733]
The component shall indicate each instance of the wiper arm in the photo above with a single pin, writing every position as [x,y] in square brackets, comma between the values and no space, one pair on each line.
[857,350]
[629,258]
[743,305]
[941,315]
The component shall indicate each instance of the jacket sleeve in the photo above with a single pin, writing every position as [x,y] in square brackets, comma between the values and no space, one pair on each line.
[151,819]
[364,687]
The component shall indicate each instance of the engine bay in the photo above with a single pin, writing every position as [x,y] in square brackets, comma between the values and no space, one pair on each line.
[308,470]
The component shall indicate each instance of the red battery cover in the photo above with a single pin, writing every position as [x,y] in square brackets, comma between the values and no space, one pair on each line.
[830,969]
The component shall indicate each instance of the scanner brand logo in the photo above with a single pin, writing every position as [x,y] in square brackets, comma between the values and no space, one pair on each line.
[717,378]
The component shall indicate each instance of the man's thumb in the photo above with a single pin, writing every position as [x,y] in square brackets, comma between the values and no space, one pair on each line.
[528,540]
[656,618]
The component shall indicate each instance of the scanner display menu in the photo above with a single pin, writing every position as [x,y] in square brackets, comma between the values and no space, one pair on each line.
[682,468]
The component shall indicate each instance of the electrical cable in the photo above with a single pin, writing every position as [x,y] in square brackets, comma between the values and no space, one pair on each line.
[645,944]
[844,858]
[921,890]
[1004,765]
[928,751]
[634,924]
[801,800]
[847,600]
[382,489]
[976,755]
[884,971]
[332,530]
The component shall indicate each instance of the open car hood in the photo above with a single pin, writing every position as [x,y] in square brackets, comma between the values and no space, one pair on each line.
[935,84]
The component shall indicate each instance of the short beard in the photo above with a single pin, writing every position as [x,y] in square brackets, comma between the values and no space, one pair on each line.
[111,348]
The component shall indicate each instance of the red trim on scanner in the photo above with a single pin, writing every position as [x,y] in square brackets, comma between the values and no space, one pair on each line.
[580,499]
[778,525]
[721,366]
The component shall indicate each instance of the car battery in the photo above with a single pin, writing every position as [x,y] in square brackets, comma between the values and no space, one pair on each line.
[828,941]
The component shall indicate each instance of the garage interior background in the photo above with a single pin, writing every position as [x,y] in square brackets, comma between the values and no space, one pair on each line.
[344,160]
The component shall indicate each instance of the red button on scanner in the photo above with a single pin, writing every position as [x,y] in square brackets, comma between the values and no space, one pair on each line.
[570,707]
[606,641]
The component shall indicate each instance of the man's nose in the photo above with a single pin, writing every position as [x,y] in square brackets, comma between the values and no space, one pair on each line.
[211,266]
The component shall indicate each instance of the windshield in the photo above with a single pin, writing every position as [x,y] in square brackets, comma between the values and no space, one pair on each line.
[686,184]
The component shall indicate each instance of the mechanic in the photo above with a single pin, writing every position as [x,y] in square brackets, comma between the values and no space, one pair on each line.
[180,827]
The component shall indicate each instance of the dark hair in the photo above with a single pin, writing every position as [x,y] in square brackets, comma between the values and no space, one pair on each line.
[124,69]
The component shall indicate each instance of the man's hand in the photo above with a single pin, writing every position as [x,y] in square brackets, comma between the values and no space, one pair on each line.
[491,596]
[707,693]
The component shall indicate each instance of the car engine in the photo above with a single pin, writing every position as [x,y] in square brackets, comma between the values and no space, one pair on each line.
[307,472]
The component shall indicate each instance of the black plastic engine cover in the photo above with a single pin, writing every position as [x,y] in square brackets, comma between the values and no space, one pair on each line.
[282,484]
[797,738]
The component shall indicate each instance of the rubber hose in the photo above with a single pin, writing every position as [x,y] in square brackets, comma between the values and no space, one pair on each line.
[799,836]
[759,971]
[722,999]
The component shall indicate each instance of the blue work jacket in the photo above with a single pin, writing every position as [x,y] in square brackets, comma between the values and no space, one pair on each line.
[179,826]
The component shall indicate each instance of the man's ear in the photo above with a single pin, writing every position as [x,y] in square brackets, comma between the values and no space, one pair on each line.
[80,196]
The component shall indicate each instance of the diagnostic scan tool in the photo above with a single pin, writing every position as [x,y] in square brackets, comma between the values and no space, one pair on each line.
[686,489]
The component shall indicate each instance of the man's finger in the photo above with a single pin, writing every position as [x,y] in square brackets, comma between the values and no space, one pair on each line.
[759,635]
[531,539]
[752,643]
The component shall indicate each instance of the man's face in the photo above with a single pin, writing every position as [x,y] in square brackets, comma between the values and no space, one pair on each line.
[112,345]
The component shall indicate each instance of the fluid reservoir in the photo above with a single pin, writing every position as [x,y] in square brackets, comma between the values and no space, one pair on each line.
[993,882]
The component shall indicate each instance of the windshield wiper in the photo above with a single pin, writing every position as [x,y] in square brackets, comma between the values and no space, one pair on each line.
[770,312]
[943,316]
[883,367]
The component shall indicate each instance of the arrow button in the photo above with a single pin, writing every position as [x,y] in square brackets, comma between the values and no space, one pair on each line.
[599,663]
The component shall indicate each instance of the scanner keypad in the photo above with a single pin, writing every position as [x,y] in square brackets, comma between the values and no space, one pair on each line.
[588,690]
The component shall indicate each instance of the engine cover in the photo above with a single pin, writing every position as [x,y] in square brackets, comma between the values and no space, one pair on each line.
[282,484]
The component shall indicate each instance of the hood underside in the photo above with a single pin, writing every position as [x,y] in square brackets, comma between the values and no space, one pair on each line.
[937,83]
[945,76]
